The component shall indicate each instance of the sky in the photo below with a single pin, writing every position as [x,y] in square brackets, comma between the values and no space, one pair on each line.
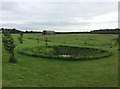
[59,15]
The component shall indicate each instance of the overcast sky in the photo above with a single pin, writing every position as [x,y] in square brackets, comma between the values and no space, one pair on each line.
[59,15]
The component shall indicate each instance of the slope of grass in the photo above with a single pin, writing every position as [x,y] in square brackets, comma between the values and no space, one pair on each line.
[43,72]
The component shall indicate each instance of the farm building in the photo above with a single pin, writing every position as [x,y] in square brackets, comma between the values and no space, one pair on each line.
[48,32]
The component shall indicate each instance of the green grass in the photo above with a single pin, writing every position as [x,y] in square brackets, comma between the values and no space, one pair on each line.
[64,52]
[43,72]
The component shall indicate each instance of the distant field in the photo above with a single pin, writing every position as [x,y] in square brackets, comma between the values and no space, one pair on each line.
[44,72]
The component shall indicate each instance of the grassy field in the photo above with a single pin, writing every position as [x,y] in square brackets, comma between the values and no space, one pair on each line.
[43,72]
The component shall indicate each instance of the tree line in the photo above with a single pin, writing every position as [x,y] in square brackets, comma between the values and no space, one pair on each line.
[13,30]
[106,31]
[100,31]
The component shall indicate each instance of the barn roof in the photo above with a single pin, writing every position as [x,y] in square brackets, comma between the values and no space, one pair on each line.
[49,30]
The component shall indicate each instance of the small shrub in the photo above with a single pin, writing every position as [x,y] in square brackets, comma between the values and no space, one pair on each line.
[21,38]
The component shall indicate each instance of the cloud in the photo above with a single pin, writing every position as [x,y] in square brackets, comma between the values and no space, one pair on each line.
[8,6]
[56,14]
[61,1]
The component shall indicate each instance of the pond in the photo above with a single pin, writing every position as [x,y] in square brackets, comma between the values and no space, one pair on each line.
[66,52]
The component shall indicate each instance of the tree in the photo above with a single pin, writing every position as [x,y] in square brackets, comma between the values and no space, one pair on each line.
[117,41]
[9,45]
[38,40]
[21,37]
[46,40]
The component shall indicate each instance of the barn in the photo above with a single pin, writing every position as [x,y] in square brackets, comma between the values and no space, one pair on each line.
[48,32]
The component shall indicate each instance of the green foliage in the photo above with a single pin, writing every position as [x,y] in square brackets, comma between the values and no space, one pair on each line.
[38,40]
[61,52]
[8,42]
[9,45]
[42,50]
[13,30]
[21,38]
[116,41]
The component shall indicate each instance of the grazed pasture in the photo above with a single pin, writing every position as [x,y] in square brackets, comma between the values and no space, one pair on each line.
[44,72]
